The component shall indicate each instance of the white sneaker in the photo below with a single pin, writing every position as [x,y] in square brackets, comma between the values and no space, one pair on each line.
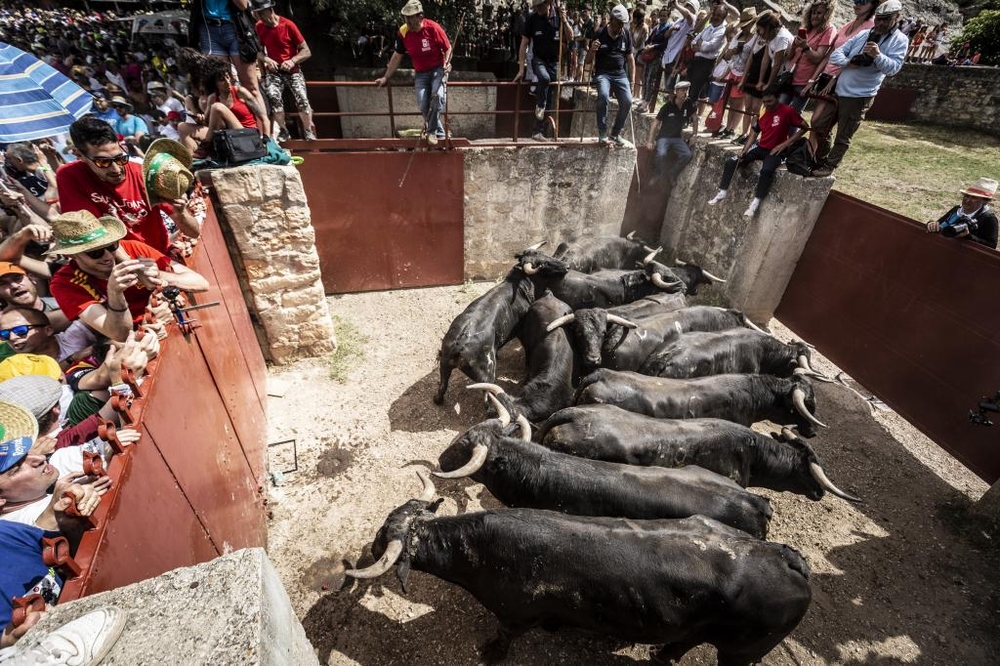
[722,194]
[540,112]
[432,139]
[752,208]
[84,641]
[538,136]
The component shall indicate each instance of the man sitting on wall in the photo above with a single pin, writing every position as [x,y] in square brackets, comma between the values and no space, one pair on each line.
[973,218]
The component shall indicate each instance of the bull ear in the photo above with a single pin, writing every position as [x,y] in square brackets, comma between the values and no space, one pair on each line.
[403,571]
[435,505]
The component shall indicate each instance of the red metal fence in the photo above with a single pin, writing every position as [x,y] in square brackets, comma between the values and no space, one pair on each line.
[192,487]
[910,315]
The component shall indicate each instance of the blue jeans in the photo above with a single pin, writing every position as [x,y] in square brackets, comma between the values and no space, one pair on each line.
[431,94]
[623,93]
[682,155]
[794,99]
[545,74]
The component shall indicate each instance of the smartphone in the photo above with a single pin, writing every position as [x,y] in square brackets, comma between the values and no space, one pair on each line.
[802,33]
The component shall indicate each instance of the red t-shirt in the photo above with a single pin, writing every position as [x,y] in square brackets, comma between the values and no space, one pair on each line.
[75,290]
[775,126]
[426,46]
[80,189]
[280,42]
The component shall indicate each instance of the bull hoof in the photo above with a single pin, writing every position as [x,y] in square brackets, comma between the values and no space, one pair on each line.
[439,399]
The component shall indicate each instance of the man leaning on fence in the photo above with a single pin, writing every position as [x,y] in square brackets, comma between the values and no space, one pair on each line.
[285,49]
[541,30]
[428,47]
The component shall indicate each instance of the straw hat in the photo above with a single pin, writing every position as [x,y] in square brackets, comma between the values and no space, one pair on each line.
[747,16]
[18,430]
[985,188]
[412,8]
[166,169]
[79,231]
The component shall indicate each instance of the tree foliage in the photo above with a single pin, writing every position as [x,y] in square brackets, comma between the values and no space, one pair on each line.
[983,35]
[349,17]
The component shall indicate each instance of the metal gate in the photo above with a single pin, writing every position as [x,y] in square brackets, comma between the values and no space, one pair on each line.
[910,315]
[374,233]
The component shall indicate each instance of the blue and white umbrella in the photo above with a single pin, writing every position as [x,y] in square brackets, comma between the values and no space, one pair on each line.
[36,101]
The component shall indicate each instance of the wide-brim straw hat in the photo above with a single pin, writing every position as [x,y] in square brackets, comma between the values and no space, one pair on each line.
[18,430]
[747,16]
[166,169]
[80,231]
[985,188]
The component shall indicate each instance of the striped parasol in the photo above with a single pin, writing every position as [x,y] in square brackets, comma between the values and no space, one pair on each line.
[36,101]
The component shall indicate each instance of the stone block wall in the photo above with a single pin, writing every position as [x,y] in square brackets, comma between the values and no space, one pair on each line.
[952,96]
[756,255]
[519,196]
[371,99]
[265,218]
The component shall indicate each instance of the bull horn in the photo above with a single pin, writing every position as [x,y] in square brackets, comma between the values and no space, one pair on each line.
[615,319]
[428,492]
[392,553]
[630,235]
[536,246]
[479,452]
[754,326]
[711,277]
[799,400]
[789,433]
[561,321]
[502,412]
[804,362]
[821,478]
[528,268]
[680,262]
[652,254]
[525,428]
[812,373]
[486,386]
[662,284]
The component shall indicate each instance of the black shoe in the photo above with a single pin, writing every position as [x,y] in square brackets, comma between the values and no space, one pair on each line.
[727,134]
[740,140]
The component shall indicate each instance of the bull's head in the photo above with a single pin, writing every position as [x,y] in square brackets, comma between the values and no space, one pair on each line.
[594,330]
[661,276]
[808,475]
[801,401]
[533,262]
[391,543]
[469,451]
[694,276]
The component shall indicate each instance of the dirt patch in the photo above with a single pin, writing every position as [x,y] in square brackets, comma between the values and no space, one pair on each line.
[907,577]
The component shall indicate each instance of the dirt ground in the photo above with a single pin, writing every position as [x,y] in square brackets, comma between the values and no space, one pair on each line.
[906,577]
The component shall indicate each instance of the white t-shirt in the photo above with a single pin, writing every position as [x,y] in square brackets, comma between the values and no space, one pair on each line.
[74,339]
[780,42]
[68,460]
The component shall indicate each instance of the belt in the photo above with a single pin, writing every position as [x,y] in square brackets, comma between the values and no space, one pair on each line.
[216,22]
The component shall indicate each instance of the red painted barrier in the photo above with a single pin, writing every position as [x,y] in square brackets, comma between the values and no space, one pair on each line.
[192,487]
[910,315]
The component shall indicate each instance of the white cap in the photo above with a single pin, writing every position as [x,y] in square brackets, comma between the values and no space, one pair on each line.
[889,7]
[693,4]
[619,12]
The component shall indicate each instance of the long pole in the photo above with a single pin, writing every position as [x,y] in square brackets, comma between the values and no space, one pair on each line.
[555,125]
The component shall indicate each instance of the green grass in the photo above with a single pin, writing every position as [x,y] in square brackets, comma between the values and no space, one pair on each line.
[350,349]
[916,170]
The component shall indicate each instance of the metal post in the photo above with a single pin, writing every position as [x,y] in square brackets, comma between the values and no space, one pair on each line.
[392,114]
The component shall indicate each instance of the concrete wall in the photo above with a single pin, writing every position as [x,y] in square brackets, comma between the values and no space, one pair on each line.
[952,96]
[585,124]
[265,217]
[232,610]
[519,196]
[757,255]
[370,99]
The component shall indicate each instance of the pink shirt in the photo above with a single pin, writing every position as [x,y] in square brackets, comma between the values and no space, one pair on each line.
[818,41]
[842,36]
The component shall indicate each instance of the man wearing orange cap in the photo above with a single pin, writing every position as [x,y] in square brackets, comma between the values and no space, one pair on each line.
[17,289]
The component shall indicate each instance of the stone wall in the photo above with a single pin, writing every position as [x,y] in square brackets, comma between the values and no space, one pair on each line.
[952,96]
[756,255]
[519,196]
[371,99]
[265,218]
[232,610]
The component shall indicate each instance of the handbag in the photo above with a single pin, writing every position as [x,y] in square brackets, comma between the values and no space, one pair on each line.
[800,159]
[649,55]
[236,146]
[246,34]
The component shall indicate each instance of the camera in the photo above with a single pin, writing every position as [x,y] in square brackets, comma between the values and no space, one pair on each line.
[960,227]
[863,60]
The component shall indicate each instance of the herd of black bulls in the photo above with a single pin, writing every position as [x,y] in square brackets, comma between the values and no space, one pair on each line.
[629,510]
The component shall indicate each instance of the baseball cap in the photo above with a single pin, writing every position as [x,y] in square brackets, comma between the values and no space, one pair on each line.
[6,268]
[619,12]
[36,393]
[29,364]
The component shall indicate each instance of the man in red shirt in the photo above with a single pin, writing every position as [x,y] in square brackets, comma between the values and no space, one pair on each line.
[108,282]
[775,127]
[284,50]
[105,182]
[428,47]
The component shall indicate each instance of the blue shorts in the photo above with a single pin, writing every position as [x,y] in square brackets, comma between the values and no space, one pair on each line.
[218,40]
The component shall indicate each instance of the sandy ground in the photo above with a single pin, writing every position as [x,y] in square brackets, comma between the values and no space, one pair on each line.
[906,577]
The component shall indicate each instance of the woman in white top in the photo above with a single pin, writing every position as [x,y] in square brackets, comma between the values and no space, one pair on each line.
[778,40]
[640,32]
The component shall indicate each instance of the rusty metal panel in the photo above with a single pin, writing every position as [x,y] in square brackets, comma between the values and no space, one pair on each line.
[373,234]
[909,315]
[892,105]
[145,527]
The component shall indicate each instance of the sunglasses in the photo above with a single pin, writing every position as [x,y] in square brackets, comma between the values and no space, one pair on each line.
[19,331]
[106,162]
[99,252]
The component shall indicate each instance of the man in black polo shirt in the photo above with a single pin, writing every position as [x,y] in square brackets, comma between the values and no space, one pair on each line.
[672,118]
[614,68]
[541,30]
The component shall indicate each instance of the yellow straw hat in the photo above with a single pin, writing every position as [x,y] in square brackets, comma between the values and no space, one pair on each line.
[79,231]
[18,430]
[166,170]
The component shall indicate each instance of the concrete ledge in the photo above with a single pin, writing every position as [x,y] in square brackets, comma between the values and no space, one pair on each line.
[232,610]
[756,255]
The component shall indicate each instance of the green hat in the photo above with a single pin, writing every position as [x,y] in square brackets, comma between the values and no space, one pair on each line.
[79,231]
[166,169]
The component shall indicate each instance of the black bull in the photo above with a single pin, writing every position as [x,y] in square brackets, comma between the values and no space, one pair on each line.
[604,432]
[743,399]
[679,583]
[589,254]
[521,473]
[723,352]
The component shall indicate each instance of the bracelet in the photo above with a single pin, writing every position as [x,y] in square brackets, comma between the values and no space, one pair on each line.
[108,306]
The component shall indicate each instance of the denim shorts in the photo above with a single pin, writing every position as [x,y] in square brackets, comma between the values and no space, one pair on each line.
[218,40]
